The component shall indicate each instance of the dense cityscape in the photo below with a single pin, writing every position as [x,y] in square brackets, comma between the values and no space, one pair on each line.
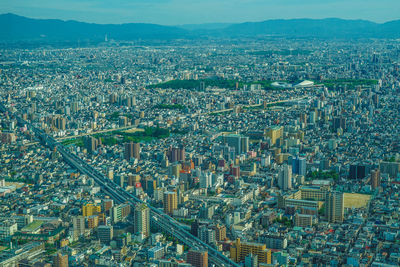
[263,152]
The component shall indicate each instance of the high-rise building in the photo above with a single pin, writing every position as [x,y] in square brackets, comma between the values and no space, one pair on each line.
[136,150]
[181,154]
[303,220]
[132,150]
[375,178]
[299,166]
[175,154]
[206,211]
[170,202]
[105,233]
[91,143]
[119,212]
[107,204]
[285,177]
[244,144]
[274,241]
[391,168]
[240,250]
[78,224]
[194,228]
[175,169]
[205,180]
[142,220]
[339,122]
[357,172]
[303,118]
[74,107]
[156,252]
[251,260]
[7,229]
[151,186]
[93,221]
[119,180]
[274,133]
[235,170]
[238,142]
[206,234]
[60,123]
[90,209]
[60,260]
[220,232]
[122,121]
[334,207]
[197,258]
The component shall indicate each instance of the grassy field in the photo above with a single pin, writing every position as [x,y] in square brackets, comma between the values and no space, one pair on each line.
[353,200]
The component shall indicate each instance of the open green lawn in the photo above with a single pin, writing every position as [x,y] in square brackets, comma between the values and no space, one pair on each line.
[220,83]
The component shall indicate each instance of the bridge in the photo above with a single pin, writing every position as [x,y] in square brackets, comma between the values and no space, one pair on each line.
[118,194]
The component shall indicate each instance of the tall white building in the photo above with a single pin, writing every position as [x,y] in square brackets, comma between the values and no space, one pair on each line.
[205,180]
[78,223]
[285,177]
[142,220]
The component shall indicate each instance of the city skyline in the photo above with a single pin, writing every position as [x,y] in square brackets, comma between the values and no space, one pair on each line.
[158,143]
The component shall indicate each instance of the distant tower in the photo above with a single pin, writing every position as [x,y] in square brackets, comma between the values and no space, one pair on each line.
[105,38]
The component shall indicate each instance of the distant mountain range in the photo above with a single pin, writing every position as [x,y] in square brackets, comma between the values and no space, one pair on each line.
[16,28]
[13,27]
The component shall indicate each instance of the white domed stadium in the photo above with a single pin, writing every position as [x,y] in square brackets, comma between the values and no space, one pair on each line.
[304,84]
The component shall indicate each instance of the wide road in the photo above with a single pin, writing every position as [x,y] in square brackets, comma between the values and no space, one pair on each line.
[131,128]
[119,195]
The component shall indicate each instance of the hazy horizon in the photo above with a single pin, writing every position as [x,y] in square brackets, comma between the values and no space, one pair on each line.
[180,12]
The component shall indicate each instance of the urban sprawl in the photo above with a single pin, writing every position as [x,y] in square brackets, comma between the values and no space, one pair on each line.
[268,152]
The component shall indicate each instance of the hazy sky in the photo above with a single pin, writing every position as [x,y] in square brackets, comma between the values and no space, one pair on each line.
[172,12]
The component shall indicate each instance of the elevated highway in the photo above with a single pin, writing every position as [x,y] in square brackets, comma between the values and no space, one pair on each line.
[118,194]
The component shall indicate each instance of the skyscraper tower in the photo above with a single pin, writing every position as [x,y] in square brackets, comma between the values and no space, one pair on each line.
[299,166]
[136,151]
[334,207]
[91,143]
[170,202]
[78,223]
[142,220]
[285,177]
[132,150]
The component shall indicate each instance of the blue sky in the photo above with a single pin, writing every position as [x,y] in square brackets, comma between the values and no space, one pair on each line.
[174,12]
